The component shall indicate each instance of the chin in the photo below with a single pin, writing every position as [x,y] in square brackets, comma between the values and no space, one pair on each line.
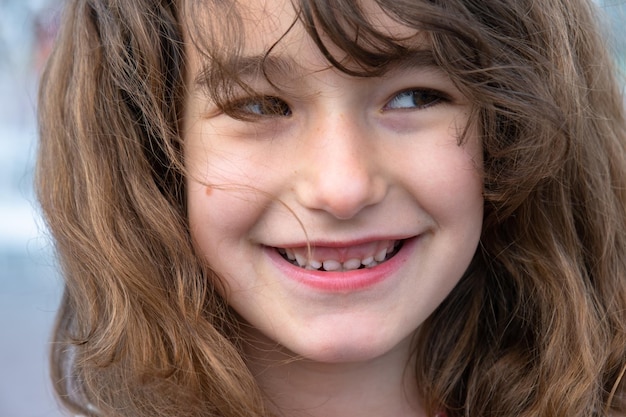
[339,347]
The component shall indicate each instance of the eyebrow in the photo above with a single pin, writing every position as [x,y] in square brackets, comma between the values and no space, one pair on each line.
[253,66]
[282,66]
[421,58]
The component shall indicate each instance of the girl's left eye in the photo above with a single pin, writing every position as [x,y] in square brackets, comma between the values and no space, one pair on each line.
[415,99]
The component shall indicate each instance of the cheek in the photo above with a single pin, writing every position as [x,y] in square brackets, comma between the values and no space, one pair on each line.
[221,192]
[221,211]
[447,178]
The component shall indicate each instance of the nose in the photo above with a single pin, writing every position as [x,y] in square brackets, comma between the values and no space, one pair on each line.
[340,172]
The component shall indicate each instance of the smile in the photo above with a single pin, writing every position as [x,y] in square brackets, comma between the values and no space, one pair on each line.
[341,259]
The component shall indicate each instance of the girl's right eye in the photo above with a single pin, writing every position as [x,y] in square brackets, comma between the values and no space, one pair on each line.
[258,107]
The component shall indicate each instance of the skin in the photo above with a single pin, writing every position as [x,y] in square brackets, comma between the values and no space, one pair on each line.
[344,163]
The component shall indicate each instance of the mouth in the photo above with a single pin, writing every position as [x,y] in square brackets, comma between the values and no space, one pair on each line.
[341,259]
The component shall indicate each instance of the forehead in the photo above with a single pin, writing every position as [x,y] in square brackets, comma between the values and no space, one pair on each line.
[268,19]
[255,27]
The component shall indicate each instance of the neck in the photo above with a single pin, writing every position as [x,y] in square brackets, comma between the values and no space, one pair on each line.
[383,386]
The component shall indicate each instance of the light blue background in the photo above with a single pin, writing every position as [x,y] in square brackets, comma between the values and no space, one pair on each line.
[29,285]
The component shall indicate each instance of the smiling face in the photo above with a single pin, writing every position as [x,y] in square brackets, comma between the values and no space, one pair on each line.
[340,211]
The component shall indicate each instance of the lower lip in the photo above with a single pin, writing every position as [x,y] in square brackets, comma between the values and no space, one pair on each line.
[349,281]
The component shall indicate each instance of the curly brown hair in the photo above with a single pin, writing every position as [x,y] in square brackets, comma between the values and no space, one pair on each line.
[537,327]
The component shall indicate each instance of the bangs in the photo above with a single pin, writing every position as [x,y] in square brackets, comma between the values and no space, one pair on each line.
[354,39]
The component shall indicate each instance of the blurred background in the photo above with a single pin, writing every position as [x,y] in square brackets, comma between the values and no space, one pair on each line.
[30,286]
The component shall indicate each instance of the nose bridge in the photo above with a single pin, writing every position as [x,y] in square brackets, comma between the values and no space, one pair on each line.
[341,174]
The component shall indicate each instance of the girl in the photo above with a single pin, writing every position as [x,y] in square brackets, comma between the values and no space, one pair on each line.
[336,208]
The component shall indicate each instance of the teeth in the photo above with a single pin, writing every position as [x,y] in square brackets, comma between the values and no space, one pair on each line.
[331,265]
[371,264]
[352,264]
[301,260]
[380,256]
[315,264]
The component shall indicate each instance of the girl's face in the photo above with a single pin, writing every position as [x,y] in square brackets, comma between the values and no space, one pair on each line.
[367,171]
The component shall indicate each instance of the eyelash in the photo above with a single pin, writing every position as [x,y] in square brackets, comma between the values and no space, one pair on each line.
[258,107]
[271,106]
[427,98]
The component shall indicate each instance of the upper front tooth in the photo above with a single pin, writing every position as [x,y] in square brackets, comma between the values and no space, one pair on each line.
[290,255]
[367,260]
[352,264]
[315,264]
[381,255]
[332,265]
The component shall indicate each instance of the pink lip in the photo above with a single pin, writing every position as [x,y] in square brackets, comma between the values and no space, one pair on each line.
[357,280]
